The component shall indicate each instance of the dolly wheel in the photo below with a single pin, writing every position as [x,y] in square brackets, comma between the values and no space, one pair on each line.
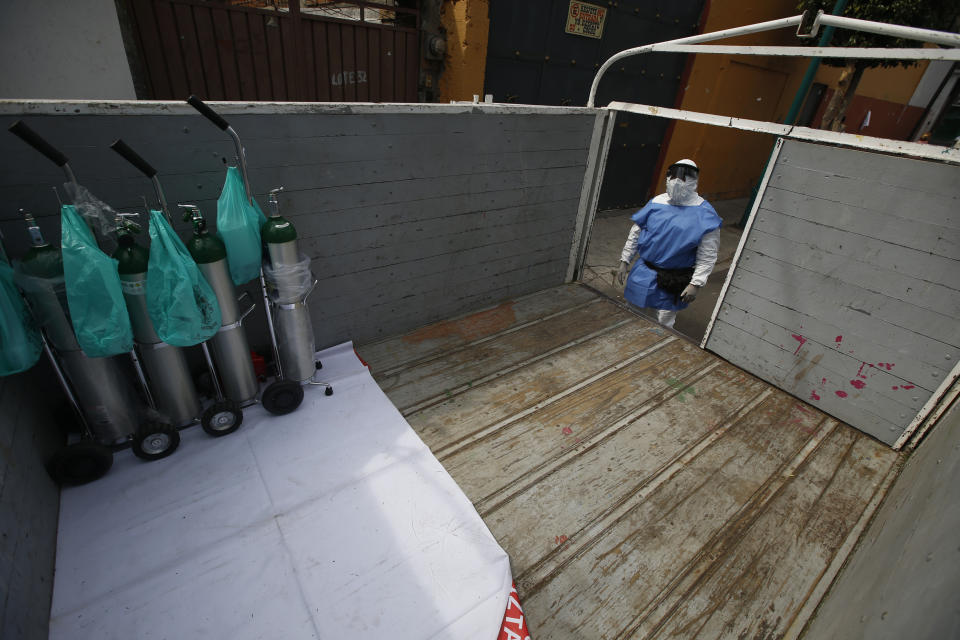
[221,418]
[155,440]
[80,463]
[281,397]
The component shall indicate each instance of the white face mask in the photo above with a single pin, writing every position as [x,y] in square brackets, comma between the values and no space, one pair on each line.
[681,192]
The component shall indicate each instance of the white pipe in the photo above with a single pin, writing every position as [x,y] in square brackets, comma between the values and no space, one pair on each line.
[857,141]
[818,52]
[896,30]
[706,37]
[910,33]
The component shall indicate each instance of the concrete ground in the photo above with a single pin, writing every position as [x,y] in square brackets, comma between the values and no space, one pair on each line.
[610,229]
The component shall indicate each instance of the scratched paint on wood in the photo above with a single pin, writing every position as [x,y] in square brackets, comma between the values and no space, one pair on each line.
[634,495]
[845,292]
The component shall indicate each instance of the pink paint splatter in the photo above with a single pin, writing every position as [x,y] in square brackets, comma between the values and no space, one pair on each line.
[885,365]
[894,388]
[814,396]
[908,386]
[823,381]
[838,340]
[799,339]
[860,370]
[841,394]
[859,384]
[567,431]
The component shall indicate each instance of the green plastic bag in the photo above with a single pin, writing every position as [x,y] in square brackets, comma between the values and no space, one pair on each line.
[180,302]
[97,309]
[238,225]
[19,339]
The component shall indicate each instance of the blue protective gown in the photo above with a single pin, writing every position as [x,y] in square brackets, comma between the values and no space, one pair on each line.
[669,237]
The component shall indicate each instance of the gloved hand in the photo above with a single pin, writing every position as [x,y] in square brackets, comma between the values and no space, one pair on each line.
[622,273]
[689,293]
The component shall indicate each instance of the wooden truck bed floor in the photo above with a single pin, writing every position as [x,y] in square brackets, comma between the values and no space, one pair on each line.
[642,487]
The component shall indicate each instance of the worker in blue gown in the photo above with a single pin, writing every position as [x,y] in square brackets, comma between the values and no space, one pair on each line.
[675,239]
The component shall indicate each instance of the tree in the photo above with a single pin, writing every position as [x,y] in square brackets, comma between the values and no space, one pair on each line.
[941,15]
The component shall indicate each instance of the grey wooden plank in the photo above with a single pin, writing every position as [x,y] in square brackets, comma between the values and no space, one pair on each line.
[922,367]
[455,332]
[306,172]
[926,322]
[333,258]
[452,269]
[352,193]
[430,289]
[803,291]
[767,361]
[919,264]
[364,322]
[527,449]
[73,133]
[850,270]
[434,378]
[824,368]
[894,172]
[615,573]
[368,232]
[914,232]
[312,220]
[754,583]
[450,426]
[834,186]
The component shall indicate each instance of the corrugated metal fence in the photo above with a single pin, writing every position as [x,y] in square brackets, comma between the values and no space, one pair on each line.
[225,52]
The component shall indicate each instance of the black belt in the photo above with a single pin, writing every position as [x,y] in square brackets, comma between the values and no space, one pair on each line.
[673,281]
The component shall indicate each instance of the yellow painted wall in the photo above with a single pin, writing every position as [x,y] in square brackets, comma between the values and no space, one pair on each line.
[745,86]
[895,84]
[467,24]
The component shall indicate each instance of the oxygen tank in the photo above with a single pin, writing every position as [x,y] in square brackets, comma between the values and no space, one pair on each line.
[170,381]
[99,384]
[231,352]
[290,282]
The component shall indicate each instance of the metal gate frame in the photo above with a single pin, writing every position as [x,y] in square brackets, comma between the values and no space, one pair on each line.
[948,391]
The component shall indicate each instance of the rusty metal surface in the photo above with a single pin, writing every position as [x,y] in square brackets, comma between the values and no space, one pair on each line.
[642,487]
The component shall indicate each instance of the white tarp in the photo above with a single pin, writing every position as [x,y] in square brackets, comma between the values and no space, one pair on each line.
[334,521]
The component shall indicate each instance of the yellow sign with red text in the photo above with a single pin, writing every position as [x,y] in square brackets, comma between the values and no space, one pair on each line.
[584,19]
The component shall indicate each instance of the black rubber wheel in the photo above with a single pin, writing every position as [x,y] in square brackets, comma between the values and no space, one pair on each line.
[221,418]
[281,397]
[80,463]
[155,440]
[328,391]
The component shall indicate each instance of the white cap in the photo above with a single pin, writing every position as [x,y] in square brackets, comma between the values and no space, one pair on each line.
[688,162]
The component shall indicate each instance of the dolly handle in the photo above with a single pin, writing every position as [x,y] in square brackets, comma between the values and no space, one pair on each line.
[133,158]
[28,135]
[210,114]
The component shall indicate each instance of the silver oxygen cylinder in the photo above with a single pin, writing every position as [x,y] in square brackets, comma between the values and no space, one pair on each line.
[171,384]
[231,351]
[289,283]
[100,385]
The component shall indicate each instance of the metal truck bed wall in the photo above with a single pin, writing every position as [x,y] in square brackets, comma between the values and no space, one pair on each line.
[844,291]
[410,213]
